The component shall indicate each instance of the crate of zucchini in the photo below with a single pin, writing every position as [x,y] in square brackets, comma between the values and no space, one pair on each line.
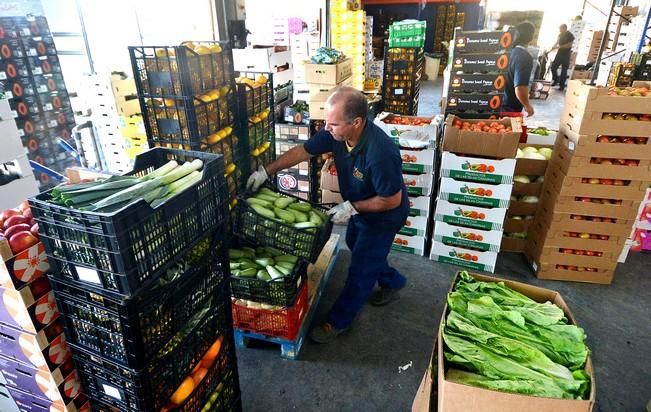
[284,222]
[120,239]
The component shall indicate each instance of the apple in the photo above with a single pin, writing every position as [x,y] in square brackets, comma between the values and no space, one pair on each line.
[618,182]
[632,162]
[606,181]
[15,220]
[34,229]
[24,205]
[605,162]
[593,181]
[21,241]
[6,214]
[28,213]
[21,227]
[603,139]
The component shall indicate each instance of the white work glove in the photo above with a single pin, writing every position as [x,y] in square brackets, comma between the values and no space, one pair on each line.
[256,179]
[342,212]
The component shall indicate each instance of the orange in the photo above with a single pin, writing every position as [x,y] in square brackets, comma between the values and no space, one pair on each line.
[198,376]
[213,351]
[183,391]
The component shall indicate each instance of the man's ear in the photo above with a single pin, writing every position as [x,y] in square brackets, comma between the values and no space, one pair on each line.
[358,121]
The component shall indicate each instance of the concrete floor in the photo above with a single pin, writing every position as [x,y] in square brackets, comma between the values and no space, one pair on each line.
[360,370]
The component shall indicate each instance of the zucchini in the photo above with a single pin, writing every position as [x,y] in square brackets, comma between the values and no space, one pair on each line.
[301,207]
[299,216]
[255,201]
[246,264]
[315,218]
[233,265]
[273,272]
[248,273]
[273,251]
[286,258]
[264,261]
[248,251]
[286,265]
[268,198]
[263,211]
[235,254]
[263,275]
[283,202]
[283,270]
[304,225]
[268,192]
[285,215]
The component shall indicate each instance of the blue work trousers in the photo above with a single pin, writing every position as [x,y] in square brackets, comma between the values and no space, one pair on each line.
[370,247]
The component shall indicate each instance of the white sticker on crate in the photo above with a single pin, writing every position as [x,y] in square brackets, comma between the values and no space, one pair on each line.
[88,275]
[112,391]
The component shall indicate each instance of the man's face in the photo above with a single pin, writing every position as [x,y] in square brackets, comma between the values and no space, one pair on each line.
[336,122]
[563,28]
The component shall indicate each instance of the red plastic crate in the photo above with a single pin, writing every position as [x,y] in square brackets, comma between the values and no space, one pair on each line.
[283,323]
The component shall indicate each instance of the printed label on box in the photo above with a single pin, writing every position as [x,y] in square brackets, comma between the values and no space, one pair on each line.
[419,206]
[477,170]
[469,216]
[417,161]
[459,256]
[468,238]
[415,226]
[414,245]
[475,194]
[418,185]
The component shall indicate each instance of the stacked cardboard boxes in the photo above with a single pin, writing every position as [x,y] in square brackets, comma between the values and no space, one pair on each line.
[348,33]
[641,234]
[476,79]
[265,60]
[474,192]
[300,179]
[303,46]
[594,185]
[416,137]
[321,79]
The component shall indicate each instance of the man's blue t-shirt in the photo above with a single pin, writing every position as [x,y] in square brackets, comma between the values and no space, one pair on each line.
[518,74]
[372,168]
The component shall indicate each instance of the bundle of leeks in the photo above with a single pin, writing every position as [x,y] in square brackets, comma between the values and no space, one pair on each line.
[114,193]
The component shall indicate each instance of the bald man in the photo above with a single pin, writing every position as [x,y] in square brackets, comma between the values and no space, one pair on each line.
[562,59]
[376,206]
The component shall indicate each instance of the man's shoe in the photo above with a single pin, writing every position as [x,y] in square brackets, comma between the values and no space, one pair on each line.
[561,88]
[554,84]
[384,296]
[325,333]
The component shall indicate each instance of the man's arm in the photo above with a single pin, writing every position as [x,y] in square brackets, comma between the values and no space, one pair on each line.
[522,93]
[378,203]
[292,157]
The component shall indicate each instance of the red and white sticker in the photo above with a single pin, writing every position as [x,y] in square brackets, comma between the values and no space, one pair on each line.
[59,352]
[46,309]
[71,386]
[31,263]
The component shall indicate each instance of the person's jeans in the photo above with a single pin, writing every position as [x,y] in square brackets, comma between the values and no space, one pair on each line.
[369,247]
[562,60]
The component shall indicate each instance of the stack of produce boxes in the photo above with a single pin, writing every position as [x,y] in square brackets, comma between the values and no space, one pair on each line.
[187,100]
[403,69]
[598,175]
[300,179]
[30,75]
[348,33]
[34,356]
[447,18]
[477,73]
[321,79]
[302,47]
[416,137]
[477,169]
[143,291]
[277,234]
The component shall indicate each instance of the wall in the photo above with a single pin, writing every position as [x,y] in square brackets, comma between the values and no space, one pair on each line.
[382,14]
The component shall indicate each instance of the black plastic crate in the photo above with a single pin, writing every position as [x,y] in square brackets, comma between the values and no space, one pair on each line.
[132,331]
[254,97]
[259,133]
[122,250]
[11,49]
[262,159]
[149,388]
[306,243]
[272,292]
[19,87]
[12,69]
[44,64]
[181,71]
[48,83]
[185,121]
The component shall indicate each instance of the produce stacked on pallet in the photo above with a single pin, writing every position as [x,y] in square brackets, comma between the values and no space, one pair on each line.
[16,178]
[30,75]
[139,267]
[598,175]
[621,36]
[34,356]
[416,137]
[476,78]
[587,51]
[348,34]
[187,99]
[403,69]
[477,169]
[277,235]
[327,69]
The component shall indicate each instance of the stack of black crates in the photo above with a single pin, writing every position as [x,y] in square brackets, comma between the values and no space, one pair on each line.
[477,73]
[642,62]
[30,76]
[144,294]
[403,70]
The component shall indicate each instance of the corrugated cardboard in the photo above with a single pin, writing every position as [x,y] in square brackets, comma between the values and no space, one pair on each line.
[419,205]
[260,59]
[317,103]
[409,136]
[469,216]
[316,88]
[328,73]
[419,185]
[531,167]
[328,180]
[459,256]
[587,146]
[453,397]
[328,196]
[417,161]
[475,194]
[414,245]
[577,205]
[485,240]
[474,169]
[415,226]
[503,145]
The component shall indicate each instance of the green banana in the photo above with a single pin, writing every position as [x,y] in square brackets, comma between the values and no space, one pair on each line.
[235,254]
[263,211]
[299,216]
[273,272]
[259,202]
[315,218]
[283,202]
[285,215]
[301,207]
[286,258]
[263,275]
[268,192]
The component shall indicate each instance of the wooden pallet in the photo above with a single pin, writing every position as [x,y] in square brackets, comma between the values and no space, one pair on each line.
[318,275]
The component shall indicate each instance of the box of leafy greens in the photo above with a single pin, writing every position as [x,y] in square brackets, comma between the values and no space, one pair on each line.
[505,346]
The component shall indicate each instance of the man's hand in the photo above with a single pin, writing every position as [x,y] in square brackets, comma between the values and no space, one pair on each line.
[529,109]
[256,179]
[342,212]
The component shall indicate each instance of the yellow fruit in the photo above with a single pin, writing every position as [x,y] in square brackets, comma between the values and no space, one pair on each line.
[228,130]
[169,102]
[183,391]
[201,49]
[213,138]
[261,79]
[255,119]
[204,98]
[188,44]
[229,169]
[215,48]
[255,152]
[213,94]
[161,53]
[224,90]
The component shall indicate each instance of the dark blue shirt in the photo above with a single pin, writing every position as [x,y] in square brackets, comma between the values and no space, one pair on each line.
[518,74]
[372,168]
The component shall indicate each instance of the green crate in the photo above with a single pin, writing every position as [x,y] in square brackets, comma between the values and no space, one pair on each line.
[406,30]
[412,42]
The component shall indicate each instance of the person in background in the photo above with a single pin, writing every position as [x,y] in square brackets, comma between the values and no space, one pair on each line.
[518,74]
[369,170]
[562,59]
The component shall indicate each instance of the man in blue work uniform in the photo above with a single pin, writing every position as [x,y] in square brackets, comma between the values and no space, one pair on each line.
[518,74]
[370,179]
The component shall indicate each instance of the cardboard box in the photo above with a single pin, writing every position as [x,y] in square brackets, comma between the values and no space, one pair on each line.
[454,397]
[328,73]
[473,101]
[292,132]
[419,185]
[511,244]
[46,349]
[23,268]
[414,245]
[482,83]
[317,103]
[293,116]
[417,161]
[60,384]
[27,402]
[520,208]
[7,403]
[415,226]
[316,88]
[31,308]
[512,225]
[123,87]
[582,205]
[527,189]
[531,167]
[503,145]
[589,146]
[419,205]
[469,216]
[420,135]
[484,240]
[480,62]
[456,255]
[482,41]
[552,272]
[261,60]
[473,169]
[328,196]
[573,186]
[329,179]
[564,221]
[475,194]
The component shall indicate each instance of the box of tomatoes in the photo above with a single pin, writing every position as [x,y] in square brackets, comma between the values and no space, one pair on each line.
[489,138]
[409,131]
[474,169]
